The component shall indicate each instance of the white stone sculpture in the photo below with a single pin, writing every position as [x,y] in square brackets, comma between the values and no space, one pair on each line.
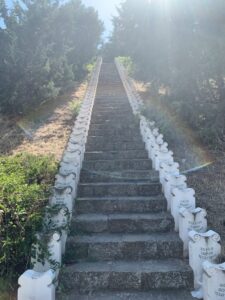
[167,168]
[202,247]
[213,281]
[37,286]
[157,148]
[160,156]
[181,198]
[194,219]
[171,182]
[70,167]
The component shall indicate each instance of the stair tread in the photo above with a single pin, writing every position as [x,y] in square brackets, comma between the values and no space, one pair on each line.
[125,198]
[151,295]
[135,216]
[126,237]
[146,266]
[137,183]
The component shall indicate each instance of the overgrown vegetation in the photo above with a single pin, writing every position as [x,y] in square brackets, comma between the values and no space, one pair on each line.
[25,185]
[178,47]
[45,46]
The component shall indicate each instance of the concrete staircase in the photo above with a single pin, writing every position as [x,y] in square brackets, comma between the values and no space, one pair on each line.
[122,244]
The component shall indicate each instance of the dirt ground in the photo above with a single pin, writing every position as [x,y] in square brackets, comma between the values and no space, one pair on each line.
[43,131]
[204,168]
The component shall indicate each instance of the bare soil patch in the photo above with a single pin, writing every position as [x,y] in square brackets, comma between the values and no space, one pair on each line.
[43,131]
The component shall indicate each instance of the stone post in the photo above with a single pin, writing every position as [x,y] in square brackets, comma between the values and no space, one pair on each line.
[194,219]
[202,247]
[181,198]
[36,286]
[213,281]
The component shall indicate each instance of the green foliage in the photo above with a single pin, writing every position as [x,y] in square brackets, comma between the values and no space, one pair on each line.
[75,107]
[178,46]
[25,185]
[127,62]
[45,46]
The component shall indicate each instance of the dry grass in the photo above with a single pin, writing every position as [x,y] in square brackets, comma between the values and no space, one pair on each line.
[43,131]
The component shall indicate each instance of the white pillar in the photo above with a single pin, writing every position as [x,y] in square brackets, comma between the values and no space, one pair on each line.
[171,182]
[36,286]
[213,281]
[191,220]
[181,198]
[202,247]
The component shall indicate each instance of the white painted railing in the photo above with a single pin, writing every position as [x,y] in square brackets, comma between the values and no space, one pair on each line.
[202,246]
[40,282]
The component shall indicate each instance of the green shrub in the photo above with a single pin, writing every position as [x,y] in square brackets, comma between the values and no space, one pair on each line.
[75,107]
[127,62]
[25,185]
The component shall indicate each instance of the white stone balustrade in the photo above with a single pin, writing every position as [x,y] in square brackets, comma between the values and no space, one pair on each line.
[55,250]
[70,167]
[167,168]
[70,156]
[213,281]
[159,139]
[36,286]
[189,220]
[171,182]
[158,148]
[202,247]
[160,156]
[181,198]
[63,181]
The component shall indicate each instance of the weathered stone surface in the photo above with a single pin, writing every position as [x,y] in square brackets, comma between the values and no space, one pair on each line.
[107,247]
[151,295]
[122,223]
[121,239]
[117,146]
[125,276]
[121,204]
[118,176]
[95,155]
[117,165]
[118,189]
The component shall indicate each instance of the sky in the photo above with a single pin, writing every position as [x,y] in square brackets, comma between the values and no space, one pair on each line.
[105,8]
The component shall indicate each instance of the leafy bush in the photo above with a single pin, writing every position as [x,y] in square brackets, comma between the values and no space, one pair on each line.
[25,185]
[75,107]
[127,62]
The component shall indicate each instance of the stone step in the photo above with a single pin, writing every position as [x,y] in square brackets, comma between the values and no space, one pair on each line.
[110,146]
[150,295]
[117,165]
[118,189]
[116,126]
[114,132]
[112,119]
[122,223]
[101,140]
[111,100]
[88,277]
[121,205]
[128,247]
[100,109]
[116,115]
[122,176]
[129,154]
